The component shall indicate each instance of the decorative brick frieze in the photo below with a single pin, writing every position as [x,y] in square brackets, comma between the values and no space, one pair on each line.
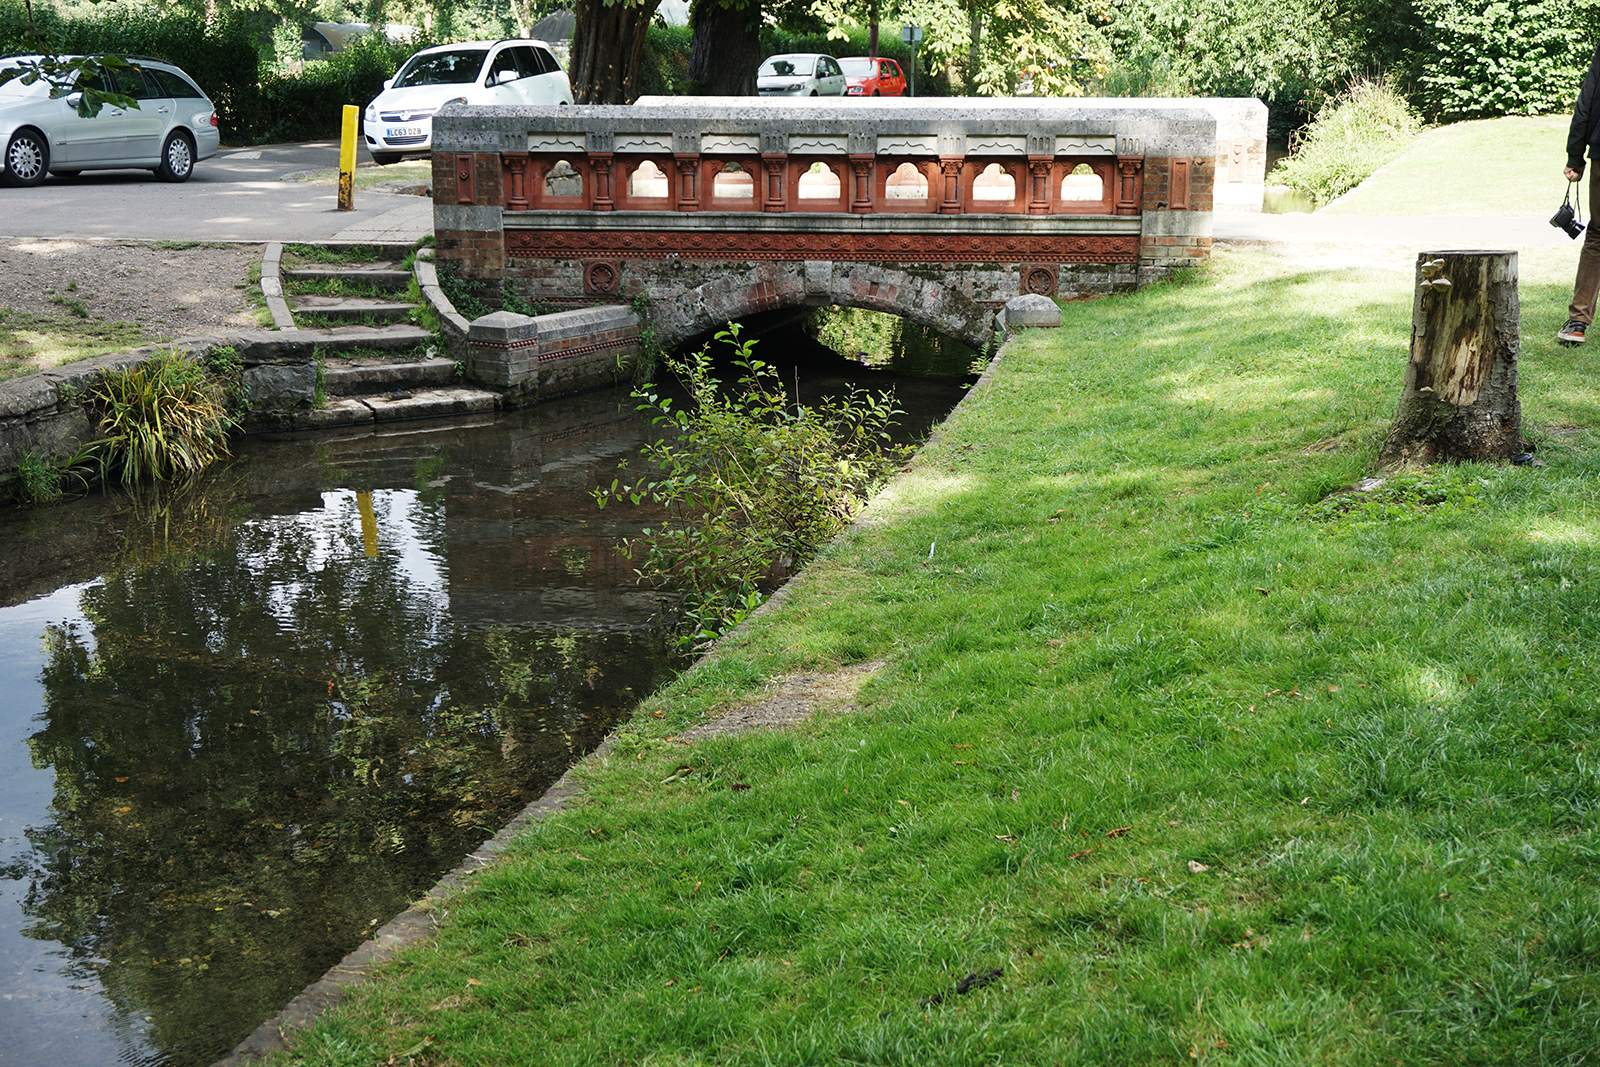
[779,246]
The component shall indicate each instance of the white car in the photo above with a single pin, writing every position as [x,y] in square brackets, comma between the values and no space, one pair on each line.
[173,127]
[400,120]
[800,74]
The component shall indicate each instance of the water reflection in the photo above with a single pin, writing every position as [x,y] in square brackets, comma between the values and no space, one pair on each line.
[244,723]
[262,740]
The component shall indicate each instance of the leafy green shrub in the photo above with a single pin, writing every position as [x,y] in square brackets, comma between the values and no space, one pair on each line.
[752,484]
[666,60]
[1352,135]
[310,104]
[1484,58]
[161,419]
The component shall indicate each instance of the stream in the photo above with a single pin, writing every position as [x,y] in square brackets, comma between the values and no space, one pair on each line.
[246,721]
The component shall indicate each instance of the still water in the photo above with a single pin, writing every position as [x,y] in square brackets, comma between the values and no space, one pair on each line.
[244,724]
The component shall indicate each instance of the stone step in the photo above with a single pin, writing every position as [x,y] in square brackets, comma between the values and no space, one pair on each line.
[352,307]
[364,376]
[457,401]
[390,338]
[375,275]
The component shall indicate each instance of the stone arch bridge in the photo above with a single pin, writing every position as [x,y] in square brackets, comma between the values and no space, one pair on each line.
[711,209]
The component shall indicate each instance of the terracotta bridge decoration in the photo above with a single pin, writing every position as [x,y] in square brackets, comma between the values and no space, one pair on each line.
[941,211]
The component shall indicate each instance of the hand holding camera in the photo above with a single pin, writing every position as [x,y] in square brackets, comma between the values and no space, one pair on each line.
[1566,216]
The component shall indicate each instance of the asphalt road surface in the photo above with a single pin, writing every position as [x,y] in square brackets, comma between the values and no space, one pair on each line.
[237,195]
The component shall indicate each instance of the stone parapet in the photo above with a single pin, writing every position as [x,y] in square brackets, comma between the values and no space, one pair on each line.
[528,358]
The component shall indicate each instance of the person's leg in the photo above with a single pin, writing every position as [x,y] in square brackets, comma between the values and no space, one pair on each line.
[1587,286]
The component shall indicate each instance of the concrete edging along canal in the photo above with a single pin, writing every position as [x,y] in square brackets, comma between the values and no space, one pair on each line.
[417,923]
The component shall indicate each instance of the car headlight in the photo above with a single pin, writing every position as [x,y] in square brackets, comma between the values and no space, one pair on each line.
[454,100]
[796,87]
[372,114]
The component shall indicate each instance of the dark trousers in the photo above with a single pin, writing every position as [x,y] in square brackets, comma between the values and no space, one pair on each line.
[1584,290]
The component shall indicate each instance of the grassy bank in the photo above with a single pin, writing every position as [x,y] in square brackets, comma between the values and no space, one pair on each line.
[1174,757]
[1494,168]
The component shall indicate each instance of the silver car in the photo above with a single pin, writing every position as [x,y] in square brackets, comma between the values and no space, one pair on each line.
[800,74]
[173,127]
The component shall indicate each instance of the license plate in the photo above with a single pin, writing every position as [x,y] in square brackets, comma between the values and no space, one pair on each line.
[404,131]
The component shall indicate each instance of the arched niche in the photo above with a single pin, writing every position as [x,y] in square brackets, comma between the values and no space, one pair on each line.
[561,181]
[731,185]
[996,187]
[647,180]
[908,185]
[1082,185]
[818,185]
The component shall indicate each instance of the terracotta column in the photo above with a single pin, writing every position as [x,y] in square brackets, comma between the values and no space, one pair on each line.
[600,195]
[861,202]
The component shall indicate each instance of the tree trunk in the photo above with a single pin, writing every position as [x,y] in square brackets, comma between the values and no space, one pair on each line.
[726,48]
[1460,399]
[974,47]
[607,50]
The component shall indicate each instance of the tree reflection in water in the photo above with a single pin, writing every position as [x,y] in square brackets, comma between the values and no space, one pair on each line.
[266,742]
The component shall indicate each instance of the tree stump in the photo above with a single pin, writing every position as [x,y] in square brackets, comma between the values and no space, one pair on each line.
[1460,399]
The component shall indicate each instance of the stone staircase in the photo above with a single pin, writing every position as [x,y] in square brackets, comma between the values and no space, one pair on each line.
[359,382]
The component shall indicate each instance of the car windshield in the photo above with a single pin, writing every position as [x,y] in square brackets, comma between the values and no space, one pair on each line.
[859,68]
[15,90]
[786,67]
[456,67]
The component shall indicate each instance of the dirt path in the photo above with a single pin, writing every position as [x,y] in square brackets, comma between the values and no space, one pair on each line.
[62,300]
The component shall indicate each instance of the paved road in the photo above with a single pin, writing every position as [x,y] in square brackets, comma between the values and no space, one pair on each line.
[237,195]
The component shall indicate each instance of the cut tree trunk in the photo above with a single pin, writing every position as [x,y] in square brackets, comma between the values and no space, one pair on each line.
[1460,399]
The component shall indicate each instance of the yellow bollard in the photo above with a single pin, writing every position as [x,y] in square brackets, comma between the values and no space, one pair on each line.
[369,523]
[347,159]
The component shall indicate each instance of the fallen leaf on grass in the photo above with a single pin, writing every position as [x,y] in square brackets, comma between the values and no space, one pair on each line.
[1196,867]
[739,787]
[1119,831]
[1079,855]
[1005,837]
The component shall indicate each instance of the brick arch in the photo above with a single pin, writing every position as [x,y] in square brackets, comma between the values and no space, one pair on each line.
[918,297]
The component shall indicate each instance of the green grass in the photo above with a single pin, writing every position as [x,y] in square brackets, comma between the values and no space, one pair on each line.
[1210,768]
[30,343]
[1494,168]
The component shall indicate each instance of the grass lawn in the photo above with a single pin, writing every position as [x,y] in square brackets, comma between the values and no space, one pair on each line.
[1493,168]
[1174,757]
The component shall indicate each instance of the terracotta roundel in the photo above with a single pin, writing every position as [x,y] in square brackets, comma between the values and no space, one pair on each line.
[1041,280]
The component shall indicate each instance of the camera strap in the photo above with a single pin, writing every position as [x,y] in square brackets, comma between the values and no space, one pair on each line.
[1577,208]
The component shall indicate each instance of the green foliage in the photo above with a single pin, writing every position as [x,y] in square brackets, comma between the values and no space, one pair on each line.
[752,485]
[665,65]
[162,419]
[1352,136]
[310,103]
[1270,48]
[1483,58]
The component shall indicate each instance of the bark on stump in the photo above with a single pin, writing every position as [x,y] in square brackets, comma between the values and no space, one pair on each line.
[1460,399]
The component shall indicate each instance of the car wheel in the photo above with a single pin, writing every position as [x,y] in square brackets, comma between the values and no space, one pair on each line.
[177,159]
[27,158]
[385,159]
[876,93]
[813,92]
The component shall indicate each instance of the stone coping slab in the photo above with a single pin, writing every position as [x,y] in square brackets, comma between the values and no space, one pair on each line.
[741,125]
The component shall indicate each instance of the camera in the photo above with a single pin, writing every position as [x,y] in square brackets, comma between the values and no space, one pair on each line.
[1564,219]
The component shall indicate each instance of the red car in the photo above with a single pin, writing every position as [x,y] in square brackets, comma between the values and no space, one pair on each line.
[872,77]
